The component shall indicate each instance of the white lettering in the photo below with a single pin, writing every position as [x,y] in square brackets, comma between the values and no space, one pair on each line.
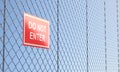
[41,28]
[38,27]
[37,36]
[42,37]
[34,26]
[31,35]
[30,24]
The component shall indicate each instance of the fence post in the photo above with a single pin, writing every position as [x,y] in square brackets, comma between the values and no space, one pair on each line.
[87,34]
[57,35]
[4,22]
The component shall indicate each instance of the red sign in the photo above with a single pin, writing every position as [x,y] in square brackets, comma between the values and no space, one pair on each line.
[36,31]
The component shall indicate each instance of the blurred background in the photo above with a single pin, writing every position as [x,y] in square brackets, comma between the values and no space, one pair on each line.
[84,36]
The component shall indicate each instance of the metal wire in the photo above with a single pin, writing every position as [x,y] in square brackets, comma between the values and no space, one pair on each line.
[105,36]
[1,34]
[78,36]
[24,58]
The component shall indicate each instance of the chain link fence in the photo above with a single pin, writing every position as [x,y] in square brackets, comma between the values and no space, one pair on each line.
[1,34]
[19,58]
[84,37]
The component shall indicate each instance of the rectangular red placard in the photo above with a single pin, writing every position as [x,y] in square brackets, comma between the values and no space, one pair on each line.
[35,31]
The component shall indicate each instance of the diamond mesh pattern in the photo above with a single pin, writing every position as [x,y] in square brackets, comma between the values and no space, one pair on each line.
[19,58]
[96,36]
[72,36]
[75,45]
[1,33]
[111,28]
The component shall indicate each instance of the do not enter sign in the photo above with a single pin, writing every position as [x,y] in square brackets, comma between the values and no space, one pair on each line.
[35,31]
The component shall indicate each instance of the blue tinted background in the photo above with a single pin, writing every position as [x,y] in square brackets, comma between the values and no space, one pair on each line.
[68,43]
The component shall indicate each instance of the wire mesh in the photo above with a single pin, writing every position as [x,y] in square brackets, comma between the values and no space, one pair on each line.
[96,39]
[72,36]
[111,34]
[1,33]
[74,45]
[19,58]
